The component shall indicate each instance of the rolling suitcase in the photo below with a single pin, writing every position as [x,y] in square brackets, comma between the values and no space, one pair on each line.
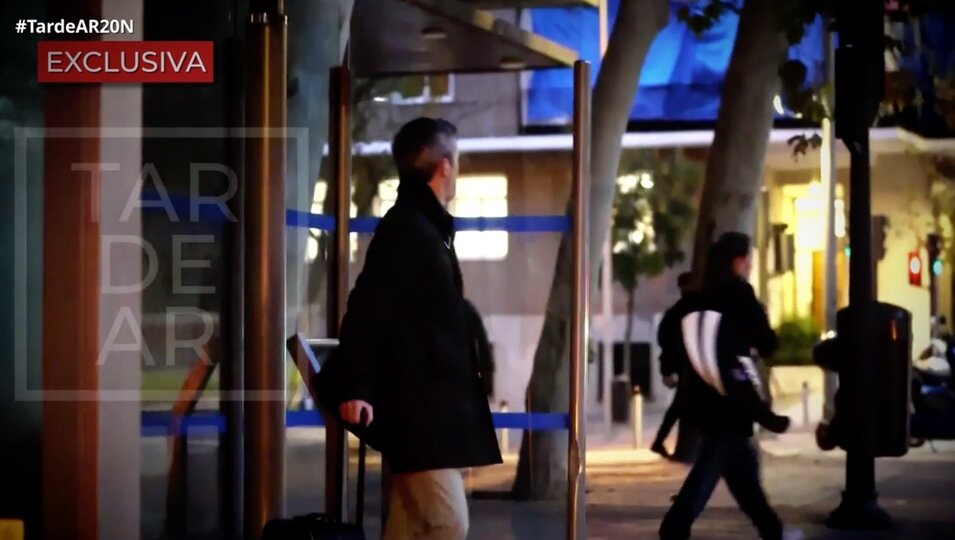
[323,526]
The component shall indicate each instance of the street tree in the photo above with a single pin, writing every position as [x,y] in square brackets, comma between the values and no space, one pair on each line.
[758,71]
[542,465]
[652,211]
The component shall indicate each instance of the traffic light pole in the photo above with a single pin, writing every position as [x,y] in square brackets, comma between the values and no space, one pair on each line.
[934,245]
[859,77]
[860,509]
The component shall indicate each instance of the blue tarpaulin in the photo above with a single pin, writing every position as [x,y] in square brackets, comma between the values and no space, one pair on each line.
[681,77]
[934,56]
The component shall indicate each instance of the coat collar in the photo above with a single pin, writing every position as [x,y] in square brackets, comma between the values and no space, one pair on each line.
[422,198]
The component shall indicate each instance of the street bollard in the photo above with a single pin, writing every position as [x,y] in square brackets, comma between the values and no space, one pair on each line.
[805,404]
[637,399]
[502,433]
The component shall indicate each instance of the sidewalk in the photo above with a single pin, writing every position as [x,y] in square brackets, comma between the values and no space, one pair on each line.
[628,490]
[627,500]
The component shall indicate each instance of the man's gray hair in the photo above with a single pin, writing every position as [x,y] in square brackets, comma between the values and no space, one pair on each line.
[420,145]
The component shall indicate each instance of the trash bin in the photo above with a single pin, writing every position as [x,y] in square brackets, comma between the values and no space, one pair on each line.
[888,410]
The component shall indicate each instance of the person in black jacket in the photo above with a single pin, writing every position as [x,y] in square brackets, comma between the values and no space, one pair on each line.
[723,396]
[670,340]
[409,361]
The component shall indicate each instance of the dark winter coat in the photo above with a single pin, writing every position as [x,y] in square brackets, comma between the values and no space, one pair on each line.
[670,339]
[406,347]
[483,351]
[720,329]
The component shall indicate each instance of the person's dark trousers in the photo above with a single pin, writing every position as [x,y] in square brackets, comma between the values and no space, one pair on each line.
[733,458]
[670,418]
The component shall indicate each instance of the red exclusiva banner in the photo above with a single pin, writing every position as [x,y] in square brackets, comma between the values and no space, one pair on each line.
[124,62]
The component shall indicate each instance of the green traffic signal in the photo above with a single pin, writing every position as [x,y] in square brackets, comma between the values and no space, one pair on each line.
[937,267]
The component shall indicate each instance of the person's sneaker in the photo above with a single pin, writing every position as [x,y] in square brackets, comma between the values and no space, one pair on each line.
[793,534]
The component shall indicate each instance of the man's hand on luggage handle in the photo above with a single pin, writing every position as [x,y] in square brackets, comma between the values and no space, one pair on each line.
[351,412]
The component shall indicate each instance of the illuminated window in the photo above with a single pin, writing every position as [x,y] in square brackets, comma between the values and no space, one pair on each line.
[477,196]
[481,196]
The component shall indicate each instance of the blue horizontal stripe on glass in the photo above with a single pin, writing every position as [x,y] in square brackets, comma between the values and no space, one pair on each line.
[532,421]
[512,224]
[305,220]
[515,224]
[303,418]
[163,423]
[205,211]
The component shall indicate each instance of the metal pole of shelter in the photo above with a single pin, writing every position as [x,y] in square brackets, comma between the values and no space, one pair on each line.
[264,306]
[580,304]
[606,278]
[336,448]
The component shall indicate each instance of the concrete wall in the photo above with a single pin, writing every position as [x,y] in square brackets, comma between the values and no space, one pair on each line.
[900,191]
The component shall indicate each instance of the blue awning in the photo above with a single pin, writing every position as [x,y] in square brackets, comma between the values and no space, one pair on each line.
[681,78]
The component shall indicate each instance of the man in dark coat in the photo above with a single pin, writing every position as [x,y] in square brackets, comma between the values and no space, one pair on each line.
[409,363]
[484,352]
[670,340]
[722,394]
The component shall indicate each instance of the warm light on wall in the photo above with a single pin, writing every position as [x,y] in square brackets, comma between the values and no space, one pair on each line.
[810,219]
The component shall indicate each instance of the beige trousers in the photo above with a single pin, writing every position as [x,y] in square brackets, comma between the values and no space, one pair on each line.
[429,505]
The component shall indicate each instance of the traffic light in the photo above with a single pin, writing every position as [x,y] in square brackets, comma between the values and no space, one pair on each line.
[934,248]
[915,269]
[880,229]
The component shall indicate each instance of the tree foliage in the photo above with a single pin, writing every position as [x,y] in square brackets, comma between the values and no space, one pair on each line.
[808,100]
[651,214]
[943,203]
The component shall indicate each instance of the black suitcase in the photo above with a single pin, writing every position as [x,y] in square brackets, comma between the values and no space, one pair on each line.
[322,526]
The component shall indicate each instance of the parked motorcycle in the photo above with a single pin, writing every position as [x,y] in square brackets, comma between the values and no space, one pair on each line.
[933,392]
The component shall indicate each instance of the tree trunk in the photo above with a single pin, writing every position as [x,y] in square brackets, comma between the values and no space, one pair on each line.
[734,168]
[542,468]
